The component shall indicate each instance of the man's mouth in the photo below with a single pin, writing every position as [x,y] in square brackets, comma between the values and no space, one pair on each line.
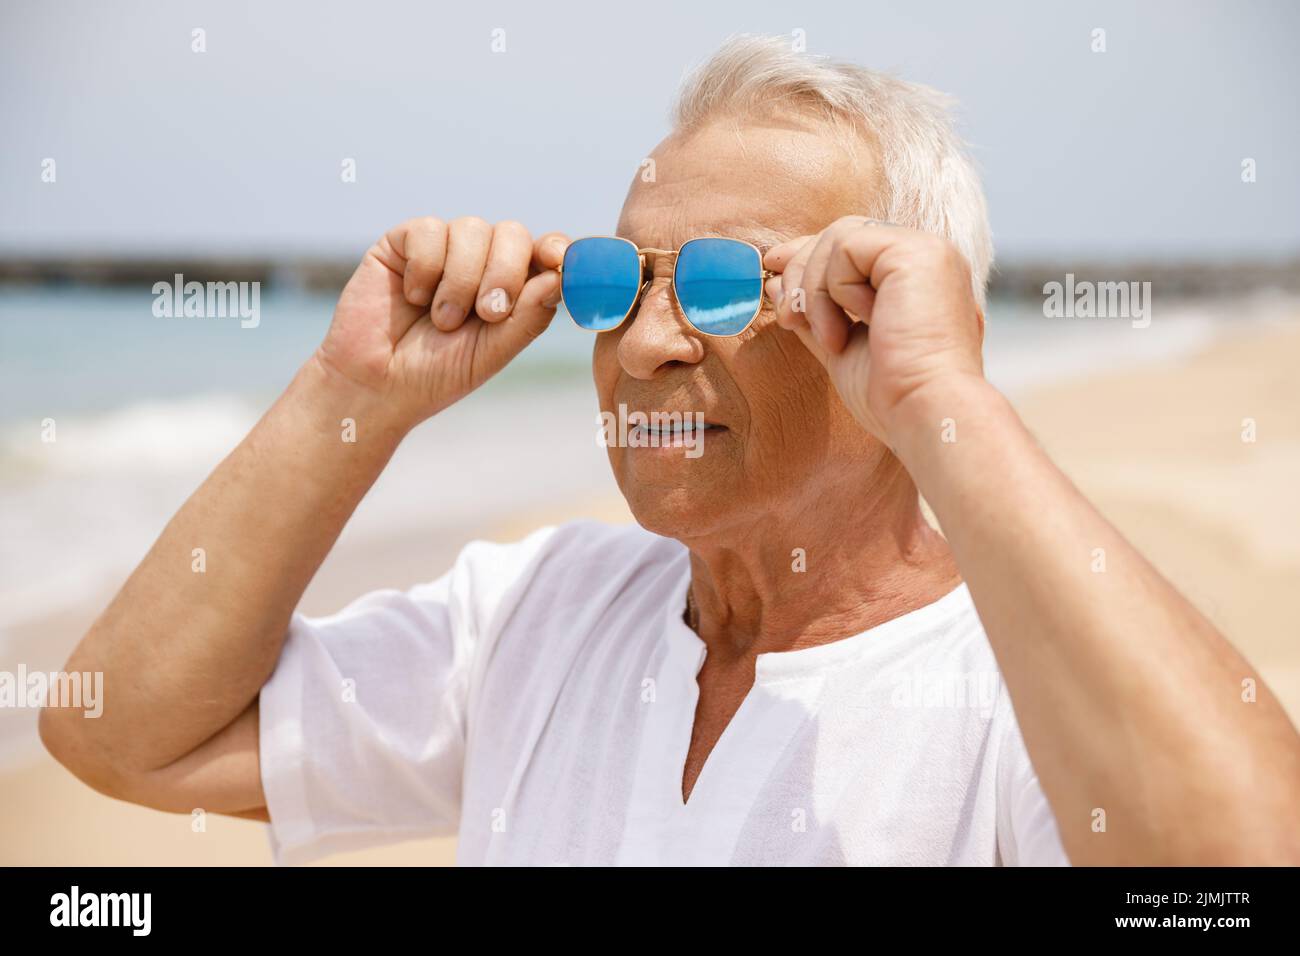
[671,430]
[663,425]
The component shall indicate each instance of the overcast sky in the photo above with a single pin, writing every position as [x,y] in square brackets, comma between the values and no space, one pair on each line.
[158,149]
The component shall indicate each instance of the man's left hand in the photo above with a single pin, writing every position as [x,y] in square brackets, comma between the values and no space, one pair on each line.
[911,290]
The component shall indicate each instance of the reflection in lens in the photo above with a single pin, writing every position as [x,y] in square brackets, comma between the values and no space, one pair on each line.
[719,284]
[599,280]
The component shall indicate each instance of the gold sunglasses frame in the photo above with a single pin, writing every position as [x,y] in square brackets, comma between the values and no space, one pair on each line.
[642,252]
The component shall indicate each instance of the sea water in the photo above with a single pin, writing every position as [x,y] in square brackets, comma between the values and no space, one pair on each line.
[110,416]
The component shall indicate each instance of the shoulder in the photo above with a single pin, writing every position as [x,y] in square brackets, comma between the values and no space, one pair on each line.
[945,635]
[582,543]
[533,610]
[962,653]
[579,555]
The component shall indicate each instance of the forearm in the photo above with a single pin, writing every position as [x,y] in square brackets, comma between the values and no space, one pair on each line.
[192,636]
[1129,700]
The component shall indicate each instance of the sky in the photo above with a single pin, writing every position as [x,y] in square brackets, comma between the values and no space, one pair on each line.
[238,150]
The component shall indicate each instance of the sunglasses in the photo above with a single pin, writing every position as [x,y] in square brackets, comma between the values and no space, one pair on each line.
[718,282]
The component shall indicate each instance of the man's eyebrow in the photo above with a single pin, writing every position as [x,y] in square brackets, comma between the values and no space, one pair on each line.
[765,239]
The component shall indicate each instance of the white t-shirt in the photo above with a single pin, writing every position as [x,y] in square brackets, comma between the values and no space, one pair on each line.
[538,701]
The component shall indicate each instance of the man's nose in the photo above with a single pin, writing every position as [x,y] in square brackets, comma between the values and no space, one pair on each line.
[658,336]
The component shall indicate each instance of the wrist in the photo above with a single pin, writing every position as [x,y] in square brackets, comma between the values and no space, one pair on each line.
[330,432]
[934,413]
[331,398]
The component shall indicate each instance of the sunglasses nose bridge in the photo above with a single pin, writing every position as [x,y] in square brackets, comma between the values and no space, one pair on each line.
[649,258]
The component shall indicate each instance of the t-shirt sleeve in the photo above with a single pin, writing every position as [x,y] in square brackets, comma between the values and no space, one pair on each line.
[1027,831]
[362,725]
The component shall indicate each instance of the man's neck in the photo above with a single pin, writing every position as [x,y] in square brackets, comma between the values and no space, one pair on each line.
[785,583]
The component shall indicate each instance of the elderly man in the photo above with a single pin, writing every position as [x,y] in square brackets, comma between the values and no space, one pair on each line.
[784,663]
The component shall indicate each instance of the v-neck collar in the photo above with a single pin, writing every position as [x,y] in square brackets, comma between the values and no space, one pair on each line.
[688,651]
[661,827]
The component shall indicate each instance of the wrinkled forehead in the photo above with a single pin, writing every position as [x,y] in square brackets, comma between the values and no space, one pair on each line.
[760,181]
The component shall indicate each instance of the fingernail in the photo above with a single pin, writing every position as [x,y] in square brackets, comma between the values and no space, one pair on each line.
[448,314]
[494,302]
[552,300]
[415,295]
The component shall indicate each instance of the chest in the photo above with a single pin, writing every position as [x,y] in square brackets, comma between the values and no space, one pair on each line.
[661,760]
[722,690]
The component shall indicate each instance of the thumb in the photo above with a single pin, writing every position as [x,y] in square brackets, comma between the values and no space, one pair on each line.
[531,315]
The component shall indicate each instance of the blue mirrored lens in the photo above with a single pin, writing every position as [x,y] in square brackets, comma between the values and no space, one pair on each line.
[719,284]
[600,280]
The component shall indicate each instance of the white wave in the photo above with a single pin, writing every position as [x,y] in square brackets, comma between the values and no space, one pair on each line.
[146,437]
[77,514]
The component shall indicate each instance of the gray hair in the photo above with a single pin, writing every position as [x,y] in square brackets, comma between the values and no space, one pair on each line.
[930,181]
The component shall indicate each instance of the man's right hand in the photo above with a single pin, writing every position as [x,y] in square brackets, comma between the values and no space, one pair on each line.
[187,654]
[435,309]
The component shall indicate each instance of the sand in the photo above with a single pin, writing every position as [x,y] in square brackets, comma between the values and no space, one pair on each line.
[1159,449]
[1161,453]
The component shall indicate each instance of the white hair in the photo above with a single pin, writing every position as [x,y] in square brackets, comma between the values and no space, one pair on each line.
[930,182]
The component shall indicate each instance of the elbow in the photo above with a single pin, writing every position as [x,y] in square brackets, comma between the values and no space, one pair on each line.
[50,724]
[62,734]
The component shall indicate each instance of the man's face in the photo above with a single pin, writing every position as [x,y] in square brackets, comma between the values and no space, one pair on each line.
[781,440]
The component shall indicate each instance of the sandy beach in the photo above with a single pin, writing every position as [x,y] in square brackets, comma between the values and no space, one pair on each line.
[1159,448]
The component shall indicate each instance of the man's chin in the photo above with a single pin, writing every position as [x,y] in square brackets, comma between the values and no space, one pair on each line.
[680,512]
[678,492]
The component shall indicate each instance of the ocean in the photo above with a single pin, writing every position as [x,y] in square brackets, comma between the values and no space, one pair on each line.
[141,408]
